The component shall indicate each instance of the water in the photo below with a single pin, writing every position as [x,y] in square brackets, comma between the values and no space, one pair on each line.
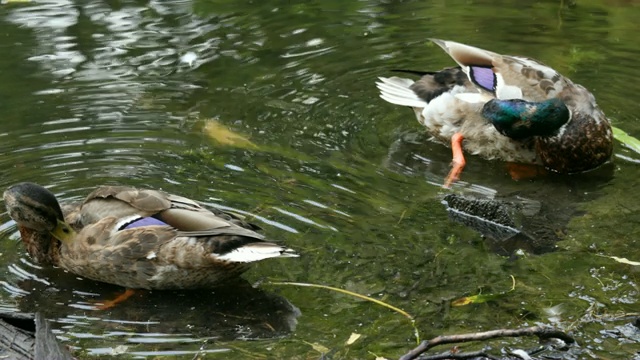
[104,92]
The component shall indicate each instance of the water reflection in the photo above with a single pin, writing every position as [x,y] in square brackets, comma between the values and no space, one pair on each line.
[104,92]
[529,214]
[236,310]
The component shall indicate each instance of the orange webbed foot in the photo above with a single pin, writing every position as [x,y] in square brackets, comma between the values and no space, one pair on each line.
[525,171]
[108,304]
[458,162]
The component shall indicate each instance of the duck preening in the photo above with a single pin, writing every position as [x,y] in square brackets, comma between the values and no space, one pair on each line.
[505,107]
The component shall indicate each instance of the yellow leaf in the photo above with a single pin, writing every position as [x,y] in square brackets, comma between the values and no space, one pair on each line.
[353,338]
[224,136]
[476,299]
[462,301]
[483,298]
[319,348]
[378,357]
[624,260]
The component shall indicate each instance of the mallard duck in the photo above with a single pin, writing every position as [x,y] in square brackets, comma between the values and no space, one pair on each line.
[137,238]
[505,107]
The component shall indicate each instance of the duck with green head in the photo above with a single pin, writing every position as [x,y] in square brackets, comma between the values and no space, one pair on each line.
[137,238]
[506,107]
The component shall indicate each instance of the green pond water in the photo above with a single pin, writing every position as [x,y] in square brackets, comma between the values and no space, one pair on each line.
[137,92]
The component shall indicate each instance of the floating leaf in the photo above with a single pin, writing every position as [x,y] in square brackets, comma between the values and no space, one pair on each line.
[554,311]
[377,357]
[319,348]
[626,139]
[476,299]
[480,298]
[353,338]
[224,136]
[119,350]
[623,260]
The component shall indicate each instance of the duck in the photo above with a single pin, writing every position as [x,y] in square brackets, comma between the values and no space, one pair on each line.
[137,238]
[505,107]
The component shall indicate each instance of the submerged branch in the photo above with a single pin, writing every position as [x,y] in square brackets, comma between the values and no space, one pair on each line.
[543,332]
[354,294]
[461,355]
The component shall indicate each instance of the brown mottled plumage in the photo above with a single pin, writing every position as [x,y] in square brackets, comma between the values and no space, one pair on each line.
[451,101]
[108,237]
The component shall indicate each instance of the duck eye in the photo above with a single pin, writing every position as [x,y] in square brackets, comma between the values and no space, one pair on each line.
[65,230]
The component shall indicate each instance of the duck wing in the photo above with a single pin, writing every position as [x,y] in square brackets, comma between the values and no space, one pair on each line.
[151,216]
[162,257]
[505,76]
[179,212]
[432,85]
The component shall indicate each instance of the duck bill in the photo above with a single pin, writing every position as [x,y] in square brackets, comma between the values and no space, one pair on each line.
[63,232]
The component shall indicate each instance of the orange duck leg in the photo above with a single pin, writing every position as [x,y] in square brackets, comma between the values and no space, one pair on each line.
[108,304]
[458,162]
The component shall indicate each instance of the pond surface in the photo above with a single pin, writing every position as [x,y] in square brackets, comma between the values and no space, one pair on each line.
[269,108]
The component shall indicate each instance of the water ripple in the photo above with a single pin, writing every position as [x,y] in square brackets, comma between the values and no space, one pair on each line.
[113,92]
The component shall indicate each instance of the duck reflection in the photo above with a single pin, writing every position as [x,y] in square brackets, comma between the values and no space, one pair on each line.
[233,310]
[530,214]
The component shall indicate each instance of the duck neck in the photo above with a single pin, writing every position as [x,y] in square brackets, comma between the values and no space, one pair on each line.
[41,246]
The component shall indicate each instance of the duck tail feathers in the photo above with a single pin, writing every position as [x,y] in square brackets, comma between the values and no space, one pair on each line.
[398,91]
[255,252]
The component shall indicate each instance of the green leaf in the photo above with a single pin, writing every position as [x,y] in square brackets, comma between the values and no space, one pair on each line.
[626,139]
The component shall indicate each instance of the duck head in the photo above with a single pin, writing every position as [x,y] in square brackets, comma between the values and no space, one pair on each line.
[519,119]
[39,218]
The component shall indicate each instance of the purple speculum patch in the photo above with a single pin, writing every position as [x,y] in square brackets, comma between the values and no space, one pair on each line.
[483,77]
[145,221]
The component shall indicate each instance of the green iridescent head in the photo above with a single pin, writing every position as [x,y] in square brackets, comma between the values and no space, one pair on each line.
[519,119]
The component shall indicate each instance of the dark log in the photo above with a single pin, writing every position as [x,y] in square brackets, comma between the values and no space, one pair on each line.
[16,343]
[47,345]
[27,336]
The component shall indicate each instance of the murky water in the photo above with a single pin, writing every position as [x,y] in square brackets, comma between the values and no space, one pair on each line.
[124,92]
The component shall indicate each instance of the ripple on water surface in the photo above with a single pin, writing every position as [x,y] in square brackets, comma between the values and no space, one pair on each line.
[116,92]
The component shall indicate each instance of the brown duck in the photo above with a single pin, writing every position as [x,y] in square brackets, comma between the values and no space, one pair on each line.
[137,238]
